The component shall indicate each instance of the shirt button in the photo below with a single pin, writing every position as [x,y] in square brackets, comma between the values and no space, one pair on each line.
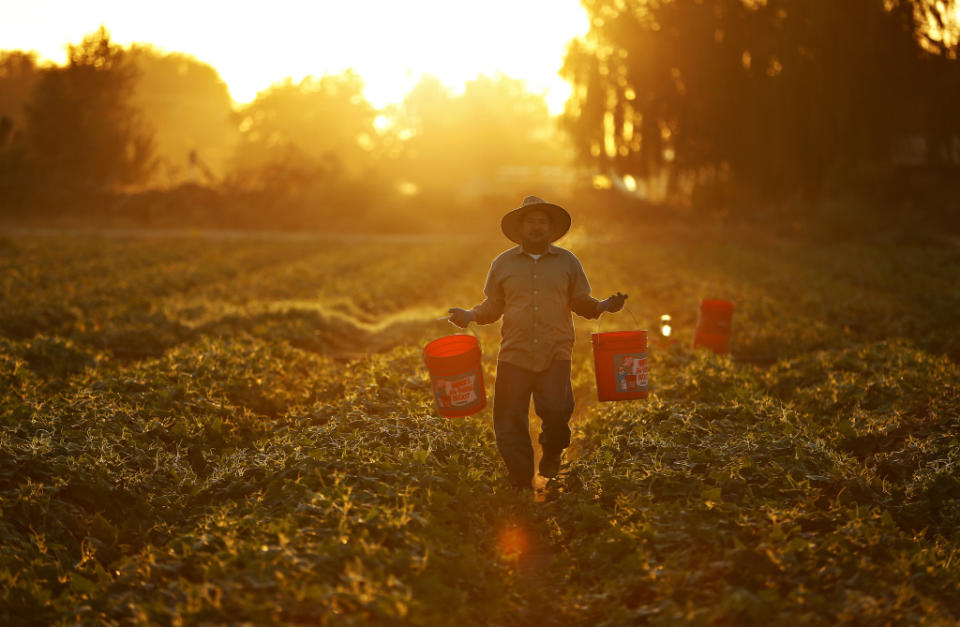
[536,308]
[534,276]
[534,341]
[534,291]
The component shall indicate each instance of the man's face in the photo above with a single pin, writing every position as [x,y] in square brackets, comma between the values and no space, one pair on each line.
[535,227]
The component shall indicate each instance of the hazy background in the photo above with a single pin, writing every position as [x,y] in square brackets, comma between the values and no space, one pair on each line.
[790,114]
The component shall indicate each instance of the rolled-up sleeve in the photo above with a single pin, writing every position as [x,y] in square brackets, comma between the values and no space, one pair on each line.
[492,306]
[581,303]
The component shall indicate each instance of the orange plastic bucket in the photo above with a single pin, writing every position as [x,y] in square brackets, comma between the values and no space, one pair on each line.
[713,329]
[456,375]
[620,363]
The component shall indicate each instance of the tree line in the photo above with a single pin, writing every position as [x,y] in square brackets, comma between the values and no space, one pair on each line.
[116,126]
[732,102]
[783,98]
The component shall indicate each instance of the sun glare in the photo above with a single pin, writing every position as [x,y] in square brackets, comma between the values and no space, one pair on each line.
[512,541]
[390,44]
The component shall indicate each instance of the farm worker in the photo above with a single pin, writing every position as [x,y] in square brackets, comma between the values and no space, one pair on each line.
[534,286]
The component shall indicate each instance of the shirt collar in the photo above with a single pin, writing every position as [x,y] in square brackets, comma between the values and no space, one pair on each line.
[551,250]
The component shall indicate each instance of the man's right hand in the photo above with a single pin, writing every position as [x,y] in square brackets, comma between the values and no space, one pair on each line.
[461,317]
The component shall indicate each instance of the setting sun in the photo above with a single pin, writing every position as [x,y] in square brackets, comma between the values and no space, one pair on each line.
[390,44]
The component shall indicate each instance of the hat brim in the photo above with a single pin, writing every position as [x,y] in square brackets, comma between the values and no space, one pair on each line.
[512,223]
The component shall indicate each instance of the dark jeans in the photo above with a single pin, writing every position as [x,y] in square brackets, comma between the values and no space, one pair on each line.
[553,401]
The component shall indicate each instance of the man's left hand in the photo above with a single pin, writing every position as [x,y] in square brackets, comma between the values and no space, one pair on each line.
[614,303]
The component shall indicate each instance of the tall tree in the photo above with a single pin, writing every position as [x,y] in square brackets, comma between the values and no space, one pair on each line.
[18,74]
[83,131]
[785,94]
[939,22]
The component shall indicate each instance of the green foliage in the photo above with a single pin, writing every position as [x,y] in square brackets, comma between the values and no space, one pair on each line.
[243,431]
[811,490]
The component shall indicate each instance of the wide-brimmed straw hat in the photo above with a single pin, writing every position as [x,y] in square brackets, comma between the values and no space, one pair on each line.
[559,219]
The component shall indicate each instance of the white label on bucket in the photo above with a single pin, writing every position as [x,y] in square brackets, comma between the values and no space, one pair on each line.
[630,370]
[458,391]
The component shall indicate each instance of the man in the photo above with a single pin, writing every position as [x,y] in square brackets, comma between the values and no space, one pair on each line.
[534,286]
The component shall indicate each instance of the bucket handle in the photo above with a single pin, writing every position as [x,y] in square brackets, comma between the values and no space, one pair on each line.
[627,309]
[466,328]
[474,333]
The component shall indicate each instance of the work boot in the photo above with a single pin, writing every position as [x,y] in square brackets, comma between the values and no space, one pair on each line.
[550,463]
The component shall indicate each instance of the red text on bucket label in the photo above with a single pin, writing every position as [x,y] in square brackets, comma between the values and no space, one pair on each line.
[631,372]
[457,391]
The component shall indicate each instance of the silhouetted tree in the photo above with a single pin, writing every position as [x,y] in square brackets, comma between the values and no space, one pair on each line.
[939,25]
[83,132]
[939,22]
[18,74]
[786,95]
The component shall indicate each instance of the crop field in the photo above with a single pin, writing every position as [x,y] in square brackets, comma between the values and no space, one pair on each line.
[242,430]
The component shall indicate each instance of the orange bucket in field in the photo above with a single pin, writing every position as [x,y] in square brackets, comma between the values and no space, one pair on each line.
[620,363]
[713,329]
[456,375]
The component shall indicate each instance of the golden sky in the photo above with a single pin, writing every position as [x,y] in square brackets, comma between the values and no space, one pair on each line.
[390,43]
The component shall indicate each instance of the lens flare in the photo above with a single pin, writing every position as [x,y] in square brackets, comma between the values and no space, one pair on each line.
[666,327]
[512,541]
